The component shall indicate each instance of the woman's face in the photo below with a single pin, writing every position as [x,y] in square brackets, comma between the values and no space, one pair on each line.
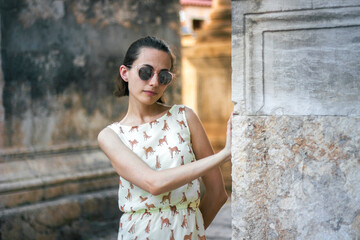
[148,91]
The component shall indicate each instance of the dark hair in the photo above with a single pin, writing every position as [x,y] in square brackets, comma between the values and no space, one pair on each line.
[121,87]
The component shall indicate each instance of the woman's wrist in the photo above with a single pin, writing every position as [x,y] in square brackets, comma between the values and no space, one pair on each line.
[225,154]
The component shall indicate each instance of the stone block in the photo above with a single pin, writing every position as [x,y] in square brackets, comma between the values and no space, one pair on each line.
[282,60]
[53,175]
[296,177]
[296,148]
[299,62]
[72,217]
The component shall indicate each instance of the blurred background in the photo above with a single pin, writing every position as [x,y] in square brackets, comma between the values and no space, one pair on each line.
[58,63]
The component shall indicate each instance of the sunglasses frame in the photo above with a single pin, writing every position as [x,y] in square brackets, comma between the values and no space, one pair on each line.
[138,67]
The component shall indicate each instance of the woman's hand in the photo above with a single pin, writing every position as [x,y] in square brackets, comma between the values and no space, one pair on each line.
[227,148]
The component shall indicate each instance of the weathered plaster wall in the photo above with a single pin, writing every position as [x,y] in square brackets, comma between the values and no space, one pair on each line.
[58,63]
[295,83]
[60,60]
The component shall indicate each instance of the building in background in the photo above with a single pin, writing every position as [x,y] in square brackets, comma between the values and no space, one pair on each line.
[206,68]
[194,15]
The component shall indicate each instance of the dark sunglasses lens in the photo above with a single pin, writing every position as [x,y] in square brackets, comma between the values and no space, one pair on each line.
[145,73]
[165,77]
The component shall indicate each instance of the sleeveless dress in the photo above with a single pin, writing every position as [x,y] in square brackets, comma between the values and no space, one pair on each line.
[163,143]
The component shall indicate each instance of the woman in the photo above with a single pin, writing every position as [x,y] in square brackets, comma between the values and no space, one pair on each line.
[160,152]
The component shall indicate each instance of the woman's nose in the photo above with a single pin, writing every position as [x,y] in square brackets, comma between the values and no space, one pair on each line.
[154,79]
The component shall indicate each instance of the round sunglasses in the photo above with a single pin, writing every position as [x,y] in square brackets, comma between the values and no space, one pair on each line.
[146,72]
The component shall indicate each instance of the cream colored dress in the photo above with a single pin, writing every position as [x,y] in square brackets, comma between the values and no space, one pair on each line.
[163,143]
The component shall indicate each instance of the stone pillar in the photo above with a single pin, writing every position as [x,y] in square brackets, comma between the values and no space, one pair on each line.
[210,61]
[219,28]
[296,88]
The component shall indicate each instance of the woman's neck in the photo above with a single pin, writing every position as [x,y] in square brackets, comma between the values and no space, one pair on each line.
[140,113]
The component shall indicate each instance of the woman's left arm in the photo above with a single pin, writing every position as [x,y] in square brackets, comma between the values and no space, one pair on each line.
[215,195]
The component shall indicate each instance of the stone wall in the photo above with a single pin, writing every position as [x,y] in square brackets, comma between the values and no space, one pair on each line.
[58,63]
[60,60]
[296,88]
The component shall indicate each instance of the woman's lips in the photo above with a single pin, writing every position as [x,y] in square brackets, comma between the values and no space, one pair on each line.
[151,93]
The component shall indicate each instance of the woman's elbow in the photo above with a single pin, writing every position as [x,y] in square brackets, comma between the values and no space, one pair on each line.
[155,191]
[154,185]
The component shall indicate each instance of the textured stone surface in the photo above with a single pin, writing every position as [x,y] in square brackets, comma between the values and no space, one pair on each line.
[25,181]
[296,160]
[293,83]
[294,49]
[303,62]
[74,217]
[296,177]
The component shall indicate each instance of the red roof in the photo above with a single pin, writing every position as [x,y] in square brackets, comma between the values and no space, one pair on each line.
[205,3]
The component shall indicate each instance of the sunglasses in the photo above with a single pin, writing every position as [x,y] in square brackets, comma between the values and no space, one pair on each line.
[146,72]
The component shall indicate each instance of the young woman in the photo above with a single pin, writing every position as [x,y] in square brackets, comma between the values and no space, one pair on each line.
[160,153]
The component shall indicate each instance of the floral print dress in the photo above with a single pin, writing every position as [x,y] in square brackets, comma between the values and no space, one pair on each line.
[163,143]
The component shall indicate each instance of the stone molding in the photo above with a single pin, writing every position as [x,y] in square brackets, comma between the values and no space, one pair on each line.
[83,216]
[53,175]
[33,152]
[250,77]
[258,25]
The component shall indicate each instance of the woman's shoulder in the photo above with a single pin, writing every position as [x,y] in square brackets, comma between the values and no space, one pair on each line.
[111,129]
[107,134]
[187,113]
[180,108]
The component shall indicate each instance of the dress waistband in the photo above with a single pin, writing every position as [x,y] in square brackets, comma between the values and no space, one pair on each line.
[190,206]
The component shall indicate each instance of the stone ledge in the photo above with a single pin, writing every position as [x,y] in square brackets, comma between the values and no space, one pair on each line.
[53,176]
[71,217]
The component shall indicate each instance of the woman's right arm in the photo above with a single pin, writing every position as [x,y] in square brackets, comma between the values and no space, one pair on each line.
[129,166]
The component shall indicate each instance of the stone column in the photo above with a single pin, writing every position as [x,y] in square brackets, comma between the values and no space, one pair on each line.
[219,28]
[210,59]
[296,88]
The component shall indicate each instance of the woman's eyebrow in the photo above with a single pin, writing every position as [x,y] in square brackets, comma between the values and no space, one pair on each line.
[148,65]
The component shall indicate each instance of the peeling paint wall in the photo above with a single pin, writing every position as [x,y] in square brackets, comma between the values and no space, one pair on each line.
[60,60]
[58,65]
[295,84]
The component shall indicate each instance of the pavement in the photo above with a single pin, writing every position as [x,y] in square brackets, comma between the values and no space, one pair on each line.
[220,228]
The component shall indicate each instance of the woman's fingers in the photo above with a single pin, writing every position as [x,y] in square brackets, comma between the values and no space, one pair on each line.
[228,134]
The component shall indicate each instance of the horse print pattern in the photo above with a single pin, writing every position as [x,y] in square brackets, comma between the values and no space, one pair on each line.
[162,143]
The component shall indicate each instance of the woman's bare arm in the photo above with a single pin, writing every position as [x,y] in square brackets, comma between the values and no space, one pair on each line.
[128,165]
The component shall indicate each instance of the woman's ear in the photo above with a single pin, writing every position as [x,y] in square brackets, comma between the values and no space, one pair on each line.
[124,71]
